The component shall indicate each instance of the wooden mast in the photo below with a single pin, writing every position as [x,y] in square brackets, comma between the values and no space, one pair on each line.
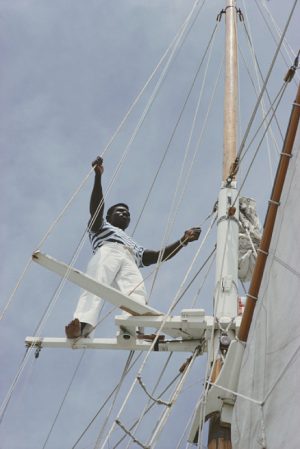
[219,436]
[231,90]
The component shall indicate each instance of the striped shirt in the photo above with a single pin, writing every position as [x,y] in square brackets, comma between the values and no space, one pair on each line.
[110,233]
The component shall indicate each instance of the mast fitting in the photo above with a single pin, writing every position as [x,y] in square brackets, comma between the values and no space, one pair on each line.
[223,11]
[292,70]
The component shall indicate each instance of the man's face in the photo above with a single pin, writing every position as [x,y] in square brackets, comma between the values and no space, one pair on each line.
[120,217]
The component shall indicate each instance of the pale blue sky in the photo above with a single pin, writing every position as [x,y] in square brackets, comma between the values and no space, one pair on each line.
[69,71]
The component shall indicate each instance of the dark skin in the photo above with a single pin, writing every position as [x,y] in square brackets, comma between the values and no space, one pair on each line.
[120,217]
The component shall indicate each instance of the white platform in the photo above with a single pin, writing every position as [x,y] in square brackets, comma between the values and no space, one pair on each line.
[111,343]
[105,292]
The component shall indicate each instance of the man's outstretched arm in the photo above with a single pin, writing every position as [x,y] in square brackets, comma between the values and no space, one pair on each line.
[97,200]
[150,257]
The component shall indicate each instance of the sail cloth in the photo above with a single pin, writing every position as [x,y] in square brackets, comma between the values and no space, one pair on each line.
[271,363]
[249,237]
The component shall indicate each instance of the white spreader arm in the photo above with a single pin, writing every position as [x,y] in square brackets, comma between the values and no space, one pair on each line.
[103,291]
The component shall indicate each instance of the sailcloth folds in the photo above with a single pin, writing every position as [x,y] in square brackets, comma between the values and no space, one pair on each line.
[249,238]
[271,364]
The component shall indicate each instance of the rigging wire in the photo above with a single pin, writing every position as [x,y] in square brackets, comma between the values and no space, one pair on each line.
[162,420]
[258,69]
[152,401]
[6,399]
[204,280]
[197,274]
[104,403]
[240,151]
[177,45]
[166,316]
[64,398]
[262,123]
[211,354]
[125,371]
[149,408]
[176,126]
[177,201]
[257,87]
[38,330]
[260,143]
[278,31]
[197,146]
[41,243]
[74,258]
[153,96]
[175,39]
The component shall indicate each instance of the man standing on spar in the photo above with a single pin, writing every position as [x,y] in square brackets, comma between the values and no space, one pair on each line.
[117,257]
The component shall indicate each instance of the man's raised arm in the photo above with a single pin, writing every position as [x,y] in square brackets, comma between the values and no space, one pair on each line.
[150,257]
[97,200]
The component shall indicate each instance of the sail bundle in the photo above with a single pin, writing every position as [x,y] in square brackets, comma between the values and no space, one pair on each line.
[249,238]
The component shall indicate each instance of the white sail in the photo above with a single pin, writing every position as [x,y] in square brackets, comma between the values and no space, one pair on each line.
[271,364]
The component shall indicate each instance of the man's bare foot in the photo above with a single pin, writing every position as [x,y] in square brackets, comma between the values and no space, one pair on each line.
[73,329]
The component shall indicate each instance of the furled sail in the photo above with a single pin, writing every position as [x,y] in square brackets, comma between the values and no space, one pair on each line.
[268,414]
[249,238]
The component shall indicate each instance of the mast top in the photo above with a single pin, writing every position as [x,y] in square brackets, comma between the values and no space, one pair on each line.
[231,90]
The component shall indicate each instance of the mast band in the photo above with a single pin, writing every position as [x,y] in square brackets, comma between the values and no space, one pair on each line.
[277,203]
[266,253]
[287,155]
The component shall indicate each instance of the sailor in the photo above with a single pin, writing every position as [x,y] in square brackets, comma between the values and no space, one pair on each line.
[117,257]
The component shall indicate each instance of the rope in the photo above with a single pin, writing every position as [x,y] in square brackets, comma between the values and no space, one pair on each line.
[53,225]
[146,410]
[258,69]
[260,143]
[278,31]
[125,371]
[166,259]
[41,243]
[279,95]
[197,146]
[210,350]
[64,399]
[235,393]
[259,76]
[266,82]
[180,296]
[174,209]
[59,289]
[55,298]
[148,353]
[164,416]
[103,405]
[118,422]
[175,128]
[7,398]
[177,36]
[157,401]
[204,280]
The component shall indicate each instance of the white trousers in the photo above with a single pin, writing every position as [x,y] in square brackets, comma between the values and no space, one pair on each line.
[114,265]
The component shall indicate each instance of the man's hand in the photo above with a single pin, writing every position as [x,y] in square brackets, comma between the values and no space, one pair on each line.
[190,235]
[98,165]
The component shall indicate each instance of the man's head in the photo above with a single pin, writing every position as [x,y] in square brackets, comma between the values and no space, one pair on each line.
[118,215]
